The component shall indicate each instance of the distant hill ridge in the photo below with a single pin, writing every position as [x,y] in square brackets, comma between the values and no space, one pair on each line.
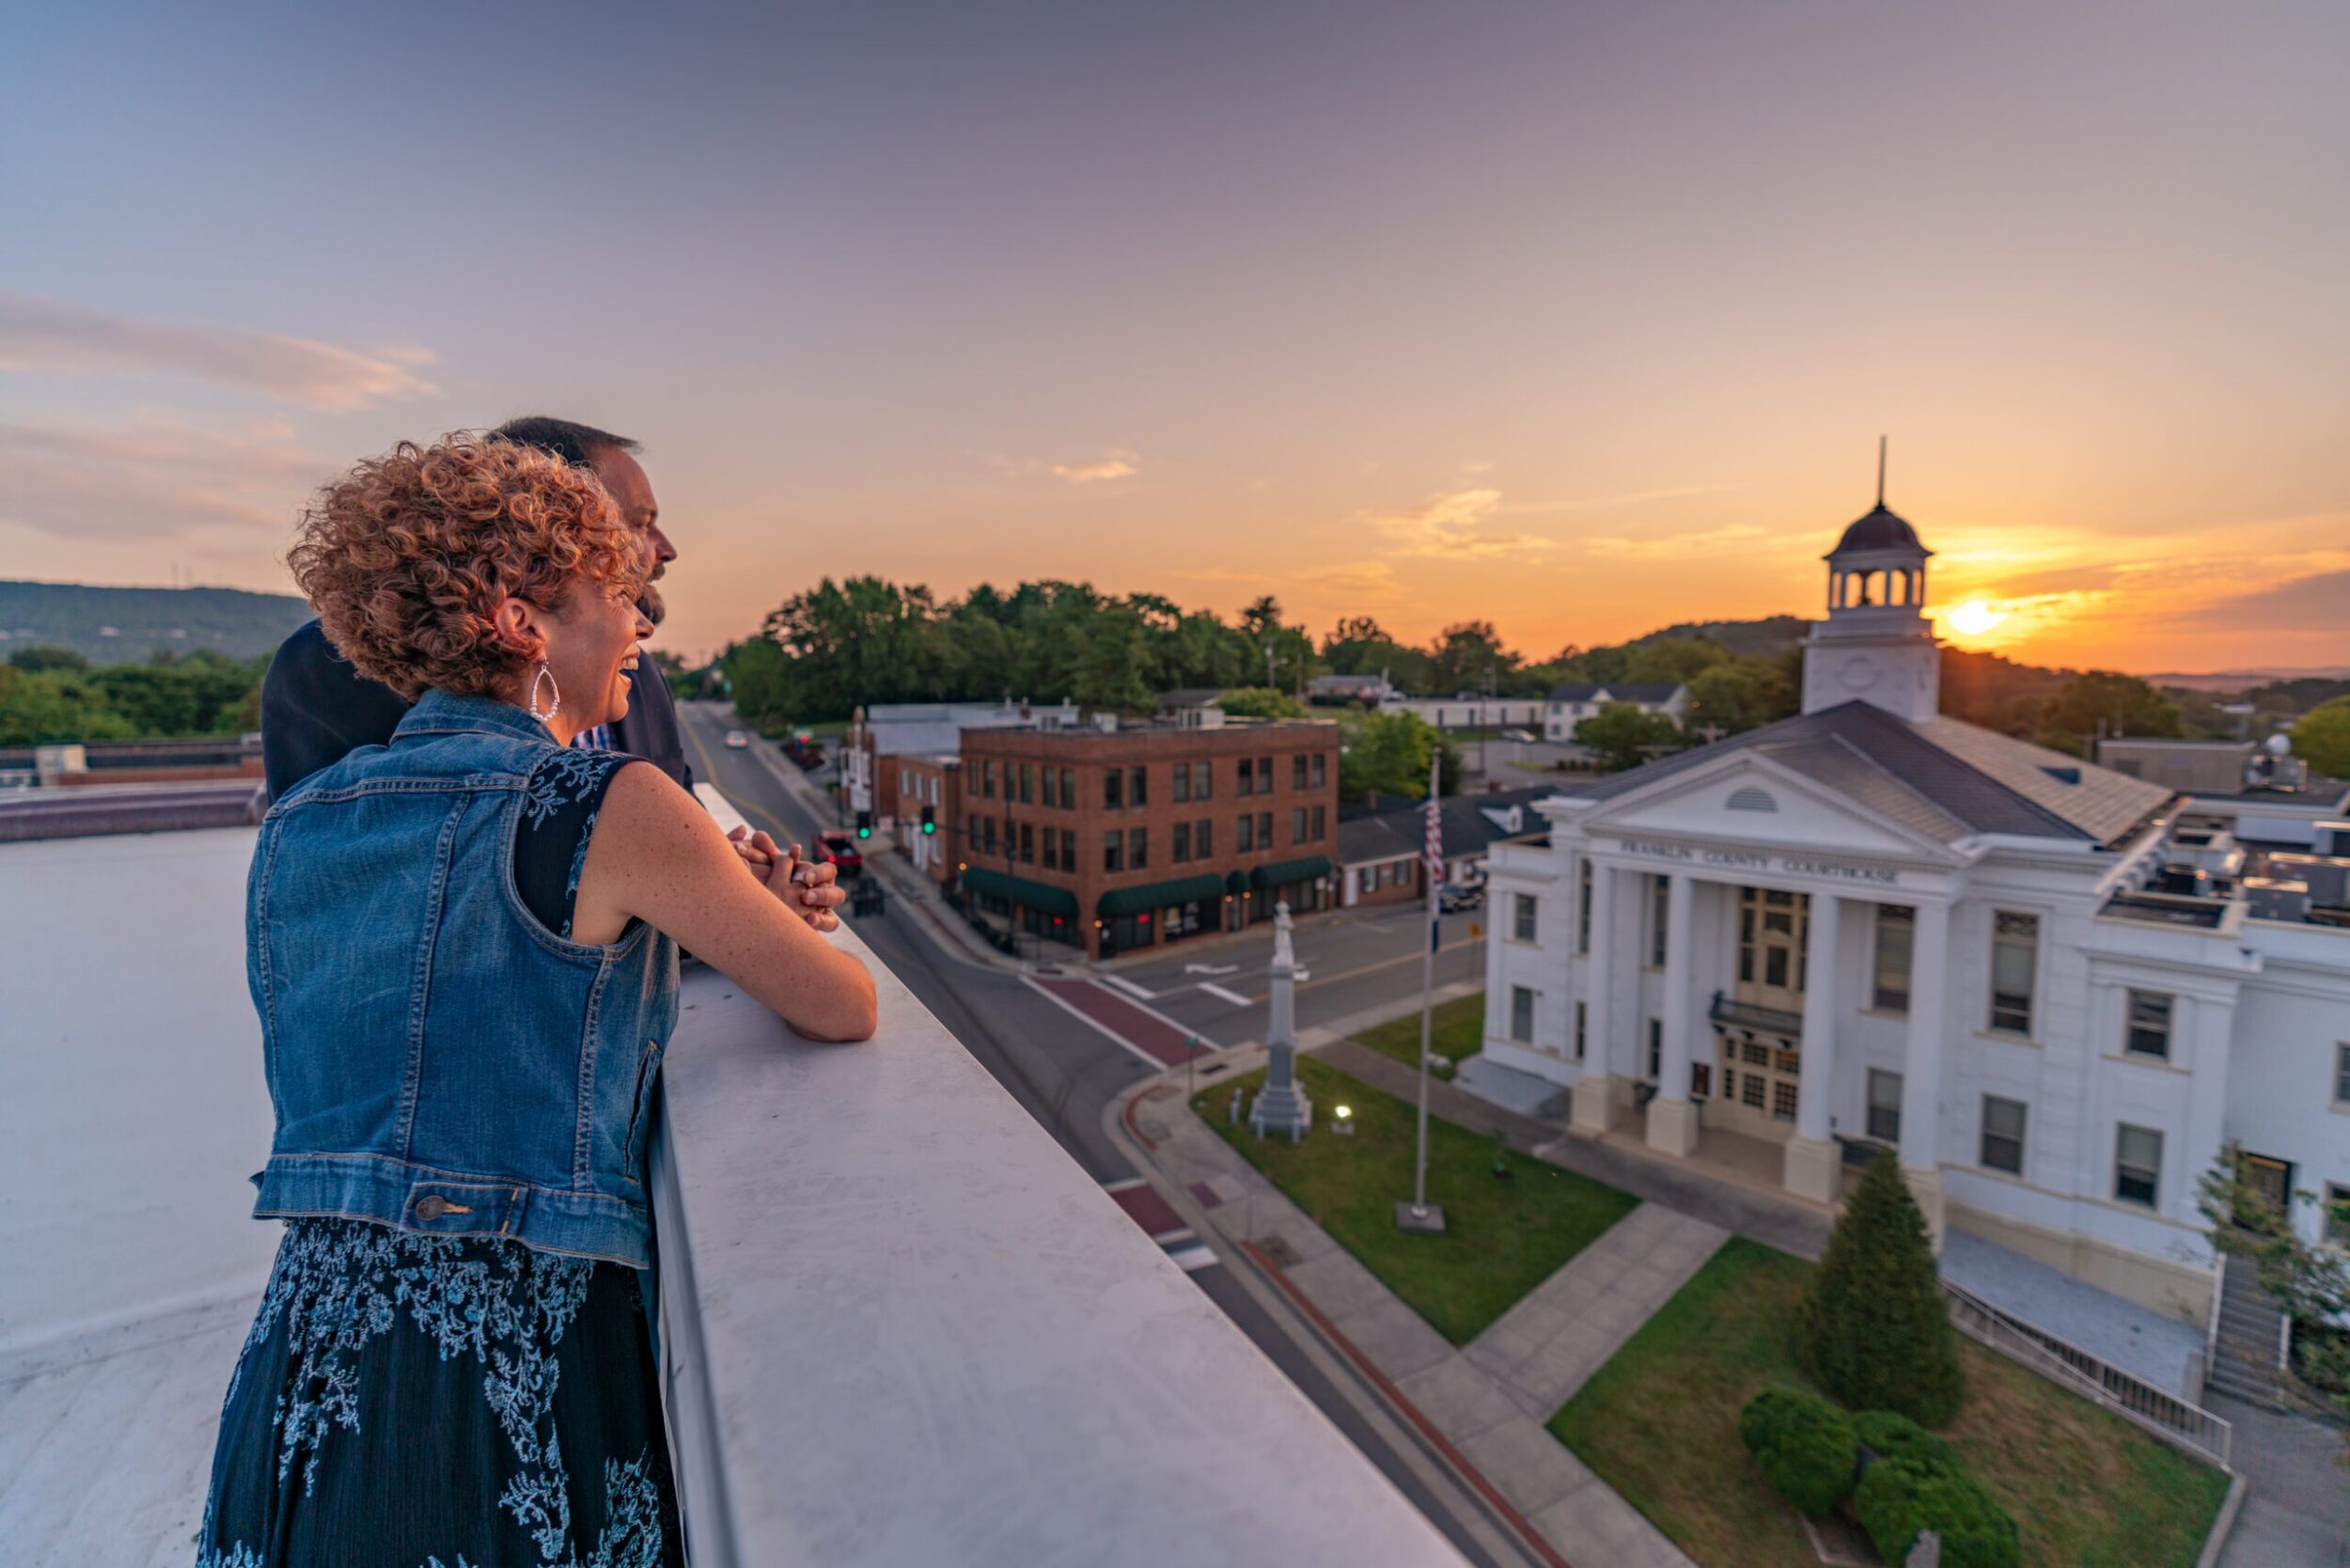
[127,625]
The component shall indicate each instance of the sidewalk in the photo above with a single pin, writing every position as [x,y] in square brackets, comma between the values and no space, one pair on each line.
[1482,1407]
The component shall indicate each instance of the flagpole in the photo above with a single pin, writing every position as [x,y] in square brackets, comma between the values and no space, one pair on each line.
[1419,1214]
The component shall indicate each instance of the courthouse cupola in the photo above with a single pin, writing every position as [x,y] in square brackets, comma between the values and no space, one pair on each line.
[1877,645]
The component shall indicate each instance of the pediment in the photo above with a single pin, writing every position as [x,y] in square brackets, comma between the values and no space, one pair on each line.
[1746,799]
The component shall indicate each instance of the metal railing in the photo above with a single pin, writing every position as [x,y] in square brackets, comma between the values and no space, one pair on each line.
[1753,1016]
[2183,1424]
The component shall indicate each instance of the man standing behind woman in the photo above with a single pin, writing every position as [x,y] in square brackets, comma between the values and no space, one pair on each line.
[317,708]
[463,947]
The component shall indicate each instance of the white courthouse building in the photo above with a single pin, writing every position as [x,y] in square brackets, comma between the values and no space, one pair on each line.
[2053,989]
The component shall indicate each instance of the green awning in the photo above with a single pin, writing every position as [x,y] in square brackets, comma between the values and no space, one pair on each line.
[1236,882]
[1283,872]
[1158,895]
[1042,897]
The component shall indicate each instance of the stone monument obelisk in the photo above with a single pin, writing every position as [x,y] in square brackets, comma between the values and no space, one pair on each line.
[1279,1107]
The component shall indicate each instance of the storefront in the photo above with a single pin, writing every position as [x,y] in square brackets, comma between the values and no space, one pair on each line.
[1159,912]
[1038,908]
[1303,883]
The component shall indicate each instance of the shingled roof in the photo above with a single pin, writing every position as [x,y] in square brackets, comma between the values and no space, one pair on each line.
[1943,778]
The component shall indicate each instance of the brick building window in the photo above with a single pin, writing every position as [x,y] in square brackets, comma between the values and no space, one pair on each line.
[1069,849]
[1113,848]
[1028,843]
[1180,791]
[1028,783]
[1202,781]
[1319,774]
[1264,775]
[1052,851]
[1183,833]
[1113,788]
[1138,792]
[987,778]
[1265,830]
[1247,780]
[1247,841]
[1297,771]
[1297,824]
[1138,849]
[1069,788]
[1202,839]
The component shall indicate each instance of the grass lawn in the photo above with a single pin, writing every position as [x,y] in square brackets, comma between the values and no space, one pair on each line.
[1501,1238]
[1456,1030]
[1660,1424]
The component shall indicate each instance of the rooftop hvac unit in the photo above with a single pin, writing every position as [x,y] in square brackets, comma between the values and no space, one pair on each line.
[2269,899]
[1106,723]
[2332,838]
[2326,877]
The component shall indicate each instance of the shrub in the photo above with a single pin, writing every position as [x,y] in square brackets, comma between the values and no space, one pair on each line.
[1805,1446]
[1889,1434]
[1871,1327]
[1899,1497]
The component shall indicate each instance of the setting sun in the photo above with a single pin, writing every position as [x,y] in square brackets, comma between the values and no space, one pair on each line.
[1974,617]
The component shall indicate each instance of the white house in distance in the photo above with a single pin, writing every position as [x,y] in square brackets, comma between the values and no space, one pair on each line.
[1571,704]
[2054,989]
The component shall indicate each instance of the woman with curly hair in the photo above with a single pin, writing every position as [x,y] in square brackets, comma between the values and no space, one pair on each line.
[463,949]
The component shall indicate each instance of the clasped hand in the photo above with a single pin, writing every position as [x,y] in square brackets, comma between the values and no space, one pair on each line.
[807,887]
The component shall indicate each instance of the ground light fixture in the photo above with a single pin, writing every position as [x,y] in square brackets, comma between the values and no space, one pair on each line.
[1343,1121]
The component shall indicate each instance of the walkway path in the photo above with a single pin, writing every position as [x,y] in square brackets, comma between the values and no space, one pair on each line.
[1547,1345]
[1488,1423]
[2297,1507]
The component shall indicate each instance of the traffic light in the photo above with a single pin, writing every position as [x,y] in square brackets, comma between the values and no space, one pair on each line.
[930,819]
[865,825]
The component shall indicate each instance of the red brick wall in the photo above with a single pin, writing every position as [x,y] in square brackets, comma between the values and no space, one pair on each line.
[1089,756]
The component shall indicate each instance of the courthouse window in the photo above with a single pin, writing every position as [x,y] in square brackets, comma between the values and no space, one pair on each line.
[1582,1017]
[2014,970]
[1521,1014]
[2137,1164]
[1885,1105]
[1897,929]
[1655,1048]
[2147,1033]
[2342,1075]
[1522,909]
[1660,906]
[2003,1134]
[1583,910]
[2337,1218]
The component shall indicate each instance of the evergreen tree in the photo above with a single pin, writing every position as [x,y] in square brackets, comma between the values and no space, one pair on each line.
[1872,1329]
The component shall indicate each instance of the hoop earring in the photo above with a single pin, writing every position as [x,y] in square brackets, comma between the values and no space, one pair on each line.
[548,676]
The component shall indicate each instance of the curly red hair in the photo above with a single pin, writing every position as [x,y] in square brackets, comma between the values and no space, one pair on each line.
[405,557]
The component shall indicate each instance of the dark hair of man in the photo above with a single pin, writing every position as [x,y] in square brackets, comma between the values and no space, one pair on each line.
[575,442]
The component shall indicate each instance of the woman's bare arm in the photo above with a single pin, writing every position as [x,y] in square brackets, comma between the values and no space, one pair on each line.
[655,855]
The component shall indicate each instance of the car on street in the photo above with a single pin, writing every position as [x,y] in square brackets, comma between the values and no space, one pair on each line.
[1454,898]
[837,847]
[738,740]
[1523,736]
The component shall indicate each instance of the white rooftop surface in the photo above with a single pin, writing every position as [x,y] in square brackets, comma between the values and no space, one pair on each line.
[900,1324]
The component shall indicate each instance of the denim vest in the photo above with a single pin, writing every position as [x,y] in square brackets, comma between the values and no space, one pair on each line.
[440,1061]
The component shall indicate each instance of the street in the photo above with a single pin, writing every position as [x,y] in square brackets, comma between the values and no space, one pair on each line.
[1066,1072]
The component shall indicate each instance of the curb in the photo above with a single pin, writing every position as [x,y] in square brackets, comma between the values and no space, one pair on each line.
[1516,1529]
[2216,1541]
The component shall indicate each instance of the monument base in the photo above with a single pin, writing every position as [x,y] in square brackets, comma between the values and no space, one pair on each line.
[1283,1111]
[1428,1221]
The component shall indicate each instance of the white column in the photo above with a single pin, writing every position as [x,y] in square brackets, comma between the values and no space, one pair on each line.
[1813,1170]
[1594,1090]
[1921,1069]
[1672,1118]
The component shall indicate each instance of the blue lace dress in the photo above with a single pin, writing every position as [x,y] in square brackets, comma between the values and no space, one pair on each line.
[440,1402]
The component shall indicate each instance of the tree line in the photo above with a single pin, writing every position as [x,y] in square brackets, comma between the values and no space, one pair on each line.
[52,695]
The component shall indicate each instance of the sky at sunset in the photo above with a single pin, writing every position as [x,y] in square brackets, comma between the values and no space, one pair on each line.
[1580,319]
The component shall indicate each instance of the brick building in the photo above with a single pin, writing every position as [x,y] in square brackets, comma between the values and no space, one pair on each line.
[1132,834]
[913,783]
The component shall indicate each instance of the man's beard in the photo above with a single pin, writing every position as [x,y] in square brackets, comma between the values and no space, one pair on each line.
[652,603]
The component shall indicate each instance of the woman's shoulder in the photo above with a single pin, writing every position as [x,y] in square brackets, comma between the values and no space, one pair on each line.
[563,778]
